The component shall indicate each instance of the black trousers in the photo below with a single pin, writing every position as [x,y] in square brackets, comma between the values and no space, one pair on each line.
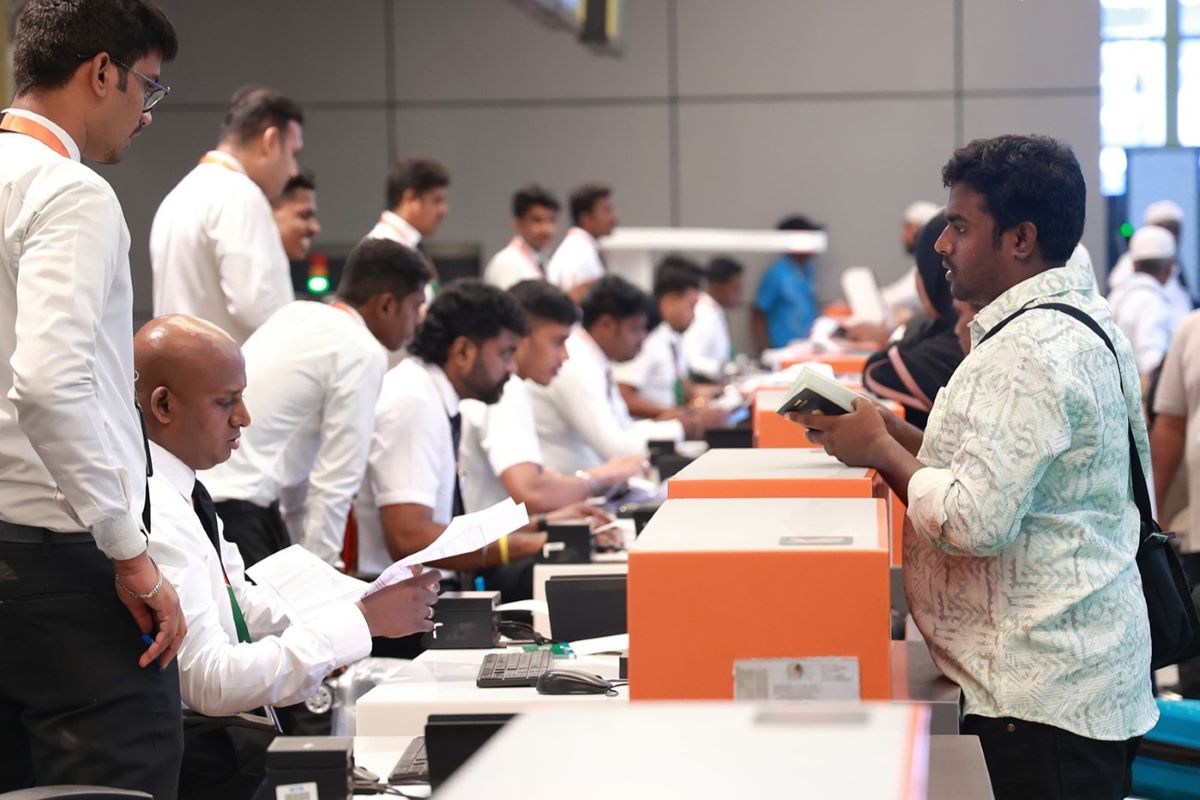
[258,532]
[222,760]
[1030,761]
[75,707]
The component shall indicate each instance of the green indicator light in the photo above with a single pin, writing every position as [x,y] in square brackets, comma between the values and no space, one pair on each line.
[318,284]
[1126,229]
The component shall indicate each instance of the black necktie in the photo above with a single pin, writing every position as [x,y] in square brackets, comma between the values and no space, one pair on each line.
[149,463]
[456,438]
[203,504]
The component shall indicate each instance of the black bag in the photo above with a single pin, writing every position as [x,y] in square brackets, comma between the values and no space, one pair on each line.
[1174,625]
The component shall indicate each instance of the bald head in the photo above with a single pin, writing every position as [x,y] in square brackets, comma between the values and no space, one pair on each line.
[190,379]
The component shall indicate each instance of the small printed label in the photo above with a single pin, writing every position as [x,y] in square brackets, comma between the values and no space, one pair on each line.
[815,541]
[819,678]
[297,791]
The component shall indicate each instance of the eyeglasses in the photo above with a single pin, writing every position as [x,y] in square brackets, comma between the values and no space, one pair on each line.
[152,91]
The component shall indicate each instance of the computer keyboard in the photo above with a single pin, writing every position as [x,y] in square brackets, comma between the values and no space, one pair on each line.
[513,669]
[412,767]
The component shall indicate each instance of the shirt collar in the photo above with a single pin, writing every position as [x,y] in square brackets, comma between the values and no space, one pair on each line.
[450,399]
[1056,281]
[51,126]
[577,231]
[411,236]
[227,160]
[526,249]
[175,472]
[342,305]
[591,348]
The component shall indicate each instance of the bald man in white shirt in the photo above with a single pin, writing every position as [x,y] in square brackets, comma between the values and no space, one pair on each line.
[89,693]
[243,650]
[215,249]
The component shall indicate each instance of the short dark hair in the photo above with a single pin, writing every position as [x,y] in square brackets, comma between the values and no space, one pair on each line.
[465,307]
[616,297]
[254,109]
[421,175]
[532,195]
[676,275]
[722,269]
[798,222]
[304,179]
[1026,179]
[584,199]
[53,35]
[545,301]
[376,266]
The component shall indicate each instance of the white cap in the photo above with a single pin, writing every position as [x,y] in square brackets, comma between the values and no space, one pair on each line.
[920,212]
[1150,242]
[1162,211]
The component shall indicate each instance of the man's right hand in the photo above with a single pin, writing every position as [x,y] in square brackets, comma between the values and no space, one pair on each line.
[403,608]
[620,469]
[161,612]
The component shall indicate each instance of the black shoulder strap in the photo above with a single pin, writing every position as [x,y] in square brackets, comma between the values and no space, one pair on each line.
[1141,495]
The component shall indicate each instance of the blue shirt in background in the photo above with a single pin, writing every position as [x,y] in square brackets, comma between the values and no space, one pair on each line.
[785,297]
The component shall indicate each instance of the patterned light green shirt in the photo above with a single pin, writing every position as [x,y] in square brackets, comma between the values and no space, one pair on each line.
[1022,531]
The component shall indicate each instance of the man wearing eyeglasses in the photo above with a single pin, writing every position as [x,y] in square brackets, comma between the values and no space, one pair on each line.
[89,628]
[215,250]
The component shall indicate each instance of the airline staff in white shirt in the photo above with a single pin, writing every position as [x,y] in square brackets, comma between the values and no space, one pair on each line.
[655,384]
[707,343]
[500,453]
[1140,305]
[242,650]
[295,212]
[462,350]
[581,419]
[576,264]
[417,203]
[535,219]
[215,250]
[315,372]
[86,696]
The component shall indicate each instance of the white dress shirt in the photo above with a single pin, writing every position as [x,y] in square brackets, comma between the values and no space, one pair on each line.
[1019,563]
[658,368]
[215,250]
[1141,308]
[313,373]
[515,263]
[576,261]
[495,438]
[285,661]
[707,345]
[72,456]
[1177,294]
[412,454]
[582,421]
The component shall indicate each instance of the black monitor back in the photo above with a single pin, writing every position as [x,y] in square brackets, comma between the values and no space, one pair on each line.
[451,739]
[586,606]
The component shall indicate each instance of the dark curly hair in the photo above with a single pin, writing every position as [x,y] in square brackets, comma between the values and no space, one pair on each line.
[1026,179]
[467,308]
[545,301]
[616,297]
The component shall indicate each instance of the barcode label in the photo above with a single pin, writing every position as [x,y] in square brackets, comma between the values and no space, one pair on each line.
[297,791]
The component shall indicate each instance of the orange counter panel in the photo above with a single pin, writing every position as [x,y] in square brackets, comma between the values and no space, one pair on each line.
[693,613]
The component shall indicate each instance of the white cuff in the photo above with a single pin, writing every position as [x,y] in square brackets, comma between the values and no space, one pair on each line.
[120,538]
[926,500]
[345,629]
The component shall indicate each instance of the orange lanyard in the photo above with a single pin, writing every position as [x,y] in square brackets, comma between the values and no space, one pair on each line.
[222,160]
[527,251]
[36,130]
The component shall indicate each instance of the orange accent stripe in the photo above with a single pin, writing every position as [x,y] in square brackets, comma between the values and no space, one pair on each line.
[34,130]
[771,487]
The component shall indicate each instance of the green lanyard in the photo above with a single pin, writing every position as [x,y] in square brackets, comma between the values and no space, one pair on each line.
[239,620]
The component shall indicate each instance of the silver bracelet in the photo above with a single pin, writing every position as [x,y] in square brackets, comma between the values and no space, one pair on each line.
[148,595]
[593,485]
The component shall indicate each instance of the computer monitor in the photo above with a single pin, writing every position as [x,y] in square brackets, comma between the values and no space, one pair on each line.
[451,739]
[586,606]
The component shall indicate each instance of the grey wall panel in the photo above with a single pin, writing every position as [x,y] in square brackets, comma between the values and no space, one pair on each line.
[491,152]
[768,46]
[1075,119]
[1030,44]
[467,49]
[314,50]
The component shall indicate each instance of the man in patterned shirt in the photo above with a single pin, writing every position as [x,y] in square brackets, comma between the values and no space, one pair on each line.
[1022,530]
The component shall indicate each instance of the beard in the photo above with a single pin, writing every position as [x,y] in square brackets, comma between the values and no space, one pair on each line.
[492,394]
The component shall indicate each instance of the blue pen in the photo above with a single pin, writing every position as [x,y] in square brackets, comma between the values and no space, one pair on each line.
[148,639]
